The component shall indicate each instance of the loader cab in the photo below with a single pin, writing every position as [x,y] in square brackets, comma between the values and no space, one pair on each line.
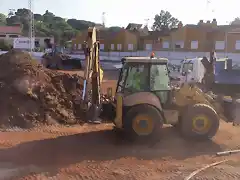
[144,74]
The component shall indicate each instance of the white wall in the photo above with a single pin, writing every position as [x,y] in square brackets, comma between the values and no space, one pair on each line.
[174,57]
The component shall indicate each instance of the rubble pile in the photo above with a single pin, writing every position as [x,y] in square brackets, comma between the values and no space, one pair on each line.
[60,60]
[58,55]
[31,94]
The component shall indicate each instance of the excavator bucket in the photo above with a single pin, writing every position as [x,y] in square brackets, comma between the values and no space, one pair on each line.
[232,110]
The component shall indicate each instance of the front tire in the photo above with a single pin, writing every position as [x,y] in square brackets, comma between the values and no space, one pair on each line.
[200,122]
[142,121]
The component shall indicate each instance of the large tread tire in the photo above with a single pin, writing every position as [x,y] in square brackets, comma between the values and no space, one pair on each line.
[186,124]
[144,110]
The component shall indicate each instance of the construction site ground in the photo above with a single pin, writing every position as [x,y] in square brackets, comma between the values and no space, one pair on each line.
[91,152]
[41,139]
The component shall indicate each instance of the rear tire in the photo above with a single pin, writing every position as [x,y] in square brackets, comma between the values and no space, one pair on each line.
[142,114]
[200,112]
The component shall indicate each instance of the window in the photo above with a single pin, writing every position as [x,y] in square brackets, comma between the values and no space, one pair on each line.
[122,78]
[194,45]
[2,35]
[160,82]
[101,46]
[130,47]
[148,47]
[137,77]
[237,45]
[112,46]
[159,79]
[37,44]
[128,77]
[219,45]
[119,47]
[165,45]
[179,44]
[79,46]
[13,36]
[186,67]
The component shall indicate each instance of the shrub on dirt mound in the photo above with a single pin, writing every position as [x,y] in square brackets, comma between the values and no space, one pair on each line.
[30,93]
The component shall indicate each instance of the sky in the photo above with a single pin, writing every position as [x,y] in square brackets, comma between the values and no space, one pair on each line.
[122,12]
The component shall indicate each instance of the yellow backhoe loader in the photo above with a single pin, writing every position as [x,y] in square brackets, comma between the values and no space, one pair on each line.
[145,100]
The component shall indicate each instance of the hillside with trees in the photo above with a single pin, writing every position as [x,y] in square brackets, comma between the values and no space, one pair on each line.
[46,24]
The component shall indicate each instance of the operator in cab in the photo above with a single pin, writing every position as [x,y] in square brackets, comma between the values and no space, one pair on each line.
[140,76]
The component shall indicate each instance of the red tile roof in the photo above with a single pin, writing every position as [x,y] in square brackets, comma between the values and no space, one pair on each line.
[10,29]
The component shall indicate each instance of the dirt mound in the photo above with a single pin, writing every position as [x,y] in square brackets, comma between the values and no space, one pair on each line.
[30,93]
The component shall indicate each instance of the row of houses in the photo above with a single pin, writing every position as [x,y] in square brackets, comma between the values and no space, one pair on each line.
[200,37]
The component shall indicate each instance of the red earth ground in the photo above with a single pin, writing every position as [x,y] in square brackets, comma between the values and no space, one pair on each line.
[95,152]
[91,152]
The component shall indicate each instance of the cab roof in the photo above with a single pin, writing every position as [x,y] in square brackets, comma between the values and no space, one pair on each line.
[145,60]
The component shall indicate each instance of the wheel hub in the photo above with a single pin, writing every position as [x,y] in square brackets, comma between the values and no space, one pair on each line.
[143,123]
[201,124]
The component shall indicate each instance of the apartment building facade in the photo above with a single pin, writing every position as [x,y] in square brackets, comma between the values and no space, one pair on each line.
[121,40]
[200,37]
[205,37]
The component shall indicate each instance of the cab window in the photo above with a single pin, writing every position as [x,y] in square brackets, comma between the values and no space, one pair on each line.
[137,78]
[160,82]
[159,78]
[122,78]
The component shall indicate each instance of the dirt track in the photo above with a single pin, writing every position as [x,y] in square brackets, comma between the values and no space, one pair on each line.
[94,152]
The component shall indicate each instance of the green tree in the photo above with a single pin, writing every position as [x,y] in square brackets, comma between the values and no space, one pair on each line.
[80,24]
[3,19]
[236,21]
[38,17]
[164,21]
[115,28]
[4,46]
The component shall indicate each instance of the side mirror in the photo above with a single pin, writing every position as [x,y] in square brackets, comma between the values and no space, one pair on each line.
[109,92]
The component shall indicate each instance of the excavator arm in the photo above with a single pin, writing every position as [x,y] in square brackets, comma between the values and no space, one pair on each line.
[93,76]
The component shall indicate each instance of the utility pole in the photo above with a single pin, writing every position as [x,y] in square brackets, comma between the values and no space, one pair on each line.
[207,9]
[103,19]
[31,26]
[146,22]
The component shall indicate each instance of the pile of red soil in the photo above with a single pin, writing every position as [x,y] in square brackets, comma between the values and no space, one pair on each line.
[31,94]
